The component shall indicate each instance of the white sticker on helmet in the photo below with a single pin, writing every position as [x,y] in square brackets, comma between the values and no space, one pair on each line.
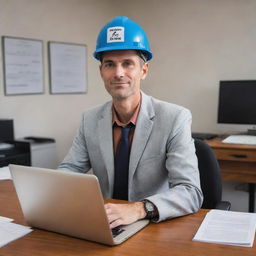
[115,34]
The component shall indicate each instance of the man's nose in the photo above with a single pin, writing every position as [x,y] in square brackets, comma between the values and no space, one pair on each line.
[119,71]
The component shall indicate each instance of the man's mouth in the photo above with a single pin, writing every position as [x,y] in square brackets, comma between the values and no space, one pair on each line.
[120,83]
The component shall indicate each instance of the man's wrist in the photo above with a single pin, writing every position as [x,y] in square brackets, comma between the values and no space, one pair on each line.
[150,209]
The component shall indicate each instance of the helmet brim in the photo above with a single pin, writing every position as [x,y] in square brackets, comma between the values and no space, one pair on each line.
[99,51]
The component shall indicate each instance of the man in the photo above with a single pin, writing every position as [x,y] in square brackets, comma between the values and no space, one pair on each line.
[140,148]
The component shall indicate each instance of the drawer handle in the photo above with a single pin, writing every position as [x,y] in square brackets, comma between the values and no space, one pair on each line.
[239,156]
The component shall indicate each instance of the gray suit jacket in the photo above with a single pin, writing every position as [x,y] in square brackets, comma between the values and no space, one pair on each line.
[163,165]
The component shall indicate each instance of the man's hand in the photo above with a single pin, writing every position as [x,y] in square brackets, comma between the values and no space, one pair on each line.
[123,214]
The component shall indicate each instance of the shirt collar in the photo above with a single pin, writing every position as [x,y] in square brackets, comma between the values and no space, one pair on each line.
[133,119]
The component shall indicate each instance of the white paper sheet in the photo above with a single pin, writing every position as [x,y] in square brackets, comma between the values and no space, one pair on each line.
[5,173]
[23,66]
[68,68]
[227,227]
[5,219]
[10,231]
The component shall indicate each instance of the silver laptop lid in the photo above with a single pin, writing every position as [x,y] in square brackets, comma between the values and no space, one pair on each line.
[64,202]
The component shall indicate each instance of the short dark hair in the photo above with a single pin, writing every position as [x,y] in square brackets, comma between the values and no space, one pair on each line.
[143,55]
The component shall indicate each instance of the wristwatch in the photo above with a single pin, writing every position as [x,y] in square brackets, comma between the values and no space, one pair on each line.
[150,209]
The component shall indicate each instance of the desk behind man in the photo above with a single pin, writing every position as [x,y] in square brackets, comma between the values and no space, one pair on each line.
[135,140]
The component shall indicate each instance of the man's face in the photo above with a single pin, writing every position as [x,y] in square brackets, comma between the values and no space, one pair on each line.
[121,72]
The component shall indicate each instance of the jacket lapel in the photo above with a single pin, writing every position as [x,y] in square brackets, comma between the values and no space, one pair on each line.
[105,134]
[142,133]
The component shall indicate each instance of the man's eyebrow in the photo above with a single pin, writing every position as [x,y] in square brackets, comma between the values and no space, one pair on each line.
[128,60]
[112,61]
[104,61]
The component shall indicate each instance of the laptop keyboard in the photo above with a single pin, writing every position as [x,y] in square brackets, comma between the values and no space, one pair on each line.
[116,231]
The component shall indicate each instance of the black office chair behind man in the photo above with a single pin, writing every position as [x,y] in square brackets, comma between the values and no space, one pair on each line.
[210,177]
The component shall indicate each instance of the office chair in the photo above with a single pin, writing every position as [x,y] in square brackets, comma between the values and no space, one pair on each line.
[210,177]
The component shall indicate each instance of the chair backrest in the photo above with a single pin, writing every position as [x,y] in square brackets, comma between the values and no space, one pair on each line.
[210,176]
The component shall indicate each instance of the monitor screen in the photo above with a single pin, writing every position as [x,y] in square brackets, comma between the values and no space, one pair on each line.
[237,102]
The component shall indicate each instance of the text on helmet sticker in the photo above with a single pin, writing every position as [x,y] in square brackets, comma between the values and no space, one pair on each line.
[115,34]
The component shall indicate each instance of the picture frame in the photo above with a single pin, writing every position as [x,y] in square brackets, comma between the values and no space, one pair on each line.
[67,68]
[23,67]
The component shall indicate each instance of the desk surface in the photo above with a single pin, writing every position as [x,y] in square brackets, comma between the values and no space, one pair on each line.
[217,143]
[173,237]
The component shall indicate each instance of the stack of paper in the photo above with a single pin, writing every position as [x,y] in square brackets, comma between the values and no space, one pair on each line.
[227,227]
[11,231]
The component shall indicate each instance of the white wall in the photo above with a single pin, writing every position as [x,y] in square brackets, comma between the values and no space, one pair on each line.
[74,21]
[195,44]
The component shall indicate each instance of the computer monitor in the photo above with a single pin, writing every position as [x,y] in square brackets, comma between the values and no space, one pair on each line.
[237,102]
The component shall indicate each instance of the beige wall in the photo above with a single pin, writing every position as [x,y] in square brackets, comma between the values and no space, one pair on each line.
[195,43]
[76,21]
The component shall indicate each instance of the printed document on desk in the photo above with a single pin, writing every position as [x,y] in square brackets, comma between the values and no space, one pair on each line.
[227,227]
[5,219]
[11,231]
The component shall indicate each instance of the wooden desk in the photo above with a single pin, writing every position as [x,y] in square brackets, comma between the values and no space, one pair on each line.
[172,237]
[237,163]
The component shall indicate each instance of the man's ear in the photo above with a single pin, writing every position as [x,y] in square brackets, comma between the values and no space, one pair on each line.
[144,71]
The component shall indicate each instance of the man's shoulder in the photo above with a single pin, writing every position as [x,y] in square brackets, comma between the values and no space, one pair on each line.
[167,105]
[97,111]
[164,107]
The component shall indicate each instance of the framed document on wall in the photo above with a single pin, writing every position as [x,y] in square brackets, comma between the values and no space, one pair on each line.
[23,66]
[68,68]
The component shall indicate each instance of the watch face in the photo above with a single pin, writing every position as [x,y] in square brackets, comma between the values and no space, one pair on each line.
[149,206]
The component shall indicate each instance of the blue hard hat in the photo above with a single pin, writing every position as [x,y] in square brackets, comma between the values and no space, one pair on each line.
[122,34]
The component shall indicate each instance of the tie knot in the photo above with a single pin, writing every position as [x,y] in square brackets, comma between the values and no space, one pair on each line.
[126,130]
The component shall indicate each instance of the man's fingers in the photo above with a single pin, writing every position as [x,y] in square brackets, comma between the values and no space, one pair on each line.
[112,214]
[110,208]
[112,218]
[116,223]
[123,214]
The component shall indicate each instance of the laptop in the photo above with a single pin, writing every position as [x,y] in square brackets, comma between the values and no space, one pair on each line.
[68,203]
